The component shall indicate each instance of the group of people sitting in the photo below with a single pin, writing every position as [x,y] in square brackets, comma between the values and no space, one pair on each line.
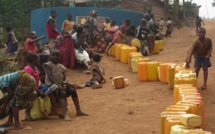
[75,44]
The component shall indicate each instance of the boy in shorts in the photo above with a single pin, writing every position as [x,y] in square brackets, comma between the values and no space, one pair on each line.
[201,50]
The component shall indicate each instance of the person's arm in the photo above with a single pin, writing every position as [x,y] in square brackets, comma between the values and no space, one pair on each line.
[209,50]
[35,40]
[51,23]
[189,54]
[8,99]
[63,25]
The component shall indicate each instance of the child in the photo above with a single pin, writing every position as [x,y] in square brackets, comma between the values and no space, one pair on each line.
[97,73]
[169,27]
[142,32]
[201,50]
[55,74]
[34,61]
[18,87]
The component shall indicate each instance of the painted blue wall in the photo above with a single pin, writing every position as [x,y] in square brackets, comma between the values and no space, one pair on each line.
[40,16]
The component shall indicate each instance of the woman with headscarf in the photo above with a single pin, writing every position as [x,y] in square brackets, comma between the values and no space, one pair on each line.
[11,42]
[94,36]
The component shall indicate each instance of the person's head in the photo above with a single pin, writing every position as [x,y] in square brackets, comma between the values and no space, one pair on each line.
[107,20]
[148,11]
[65,33]
[143,22]
[113,23]
[169,18]
[201,32]
[147,16]
[96,57]
[33,35]
[69,16]
[33,59]
[8,29]
[162,18]
[123,29]
[93,13]
[197,17]
[55,56]
[54,14]
[128,22]
[80,31]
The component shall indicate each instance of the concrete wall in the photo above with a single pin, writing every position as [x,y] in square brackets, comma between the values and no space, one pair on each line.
[40,16]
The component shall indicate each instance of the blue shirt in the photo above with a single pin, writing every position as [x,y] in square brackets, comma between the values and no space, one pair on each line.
[9,80]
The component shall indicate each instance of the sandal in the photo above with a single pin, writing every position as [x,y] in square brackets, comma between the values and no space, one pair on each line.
[5,125]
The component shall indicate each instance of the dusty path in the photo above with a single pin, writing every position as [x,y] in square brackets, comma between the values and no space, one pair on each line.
[135,109]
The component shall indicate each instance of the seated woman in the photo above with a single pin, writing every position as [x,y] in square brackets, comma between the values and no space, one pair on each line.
[64,44]
[81,55]
[119,37]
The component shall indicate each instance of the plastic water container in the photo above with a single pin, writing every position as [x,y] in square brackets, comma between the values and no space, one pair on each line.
[112,50]
[167,114]
[124,57]
[133,55]
[119,82]
[171,76]
[152,71]
[181,129]
[118,51]
[135,61]
[156,49]
[142,71]
[199,110]
[179,108]
[191,120]
[163,72]
[51,89]
[160,44]
[169,122]
[135,43]
[176,88]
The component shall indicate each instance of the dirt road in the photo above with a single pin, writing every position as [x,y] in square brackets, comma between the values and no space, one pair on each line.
[135,109]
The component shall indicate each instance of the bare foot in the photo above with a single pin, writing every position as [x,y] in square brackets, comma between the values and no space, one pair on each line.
[66,117]
[29,119]
[81,114]
[204,87]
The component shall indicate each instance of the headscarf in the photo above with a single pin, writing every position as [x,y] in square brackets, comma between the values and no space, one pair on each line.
[93,13]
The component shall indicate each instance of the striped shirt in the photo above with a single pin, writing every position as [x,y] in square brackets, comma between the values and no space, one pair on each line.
[9,80]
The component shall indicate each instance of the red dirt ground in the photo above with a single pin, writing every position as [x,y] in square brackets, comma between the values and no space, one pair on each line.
[135,109]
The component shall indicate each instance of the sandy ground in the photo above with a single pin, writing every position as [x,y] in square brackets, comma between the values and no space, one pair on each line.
[135,109]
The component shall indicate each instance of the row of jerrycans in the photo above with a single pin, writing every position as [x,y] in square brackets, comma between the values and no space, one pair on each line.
[121,52]
[187,100]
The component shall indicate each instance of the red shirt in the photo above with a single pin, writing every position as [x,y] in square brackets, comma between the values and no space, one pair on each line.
[49,31]
[31,47]
[34,73]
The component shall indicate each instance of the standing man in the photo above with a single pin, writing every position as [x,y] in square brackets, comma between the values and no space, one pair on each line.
[201,50]
[51,28]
